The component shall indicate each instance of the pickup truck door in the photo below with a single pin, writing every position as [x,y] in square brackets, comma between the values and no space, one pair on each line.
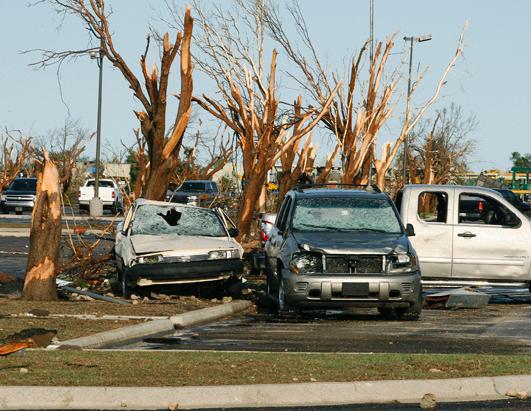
[485,246]
[430,211]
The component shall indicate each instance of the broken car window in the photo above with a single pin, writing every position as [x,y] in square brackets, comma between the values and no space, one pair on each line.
[178,220]
[345,214]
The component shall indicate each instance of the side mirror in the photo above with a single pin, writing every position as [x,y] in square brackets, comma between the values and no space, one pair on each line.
[410,231]
[234,232]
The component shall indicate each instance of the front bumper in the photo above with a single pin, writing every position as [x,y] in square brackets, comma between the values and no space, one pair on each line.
[183,272]
[14,205]
[313,291]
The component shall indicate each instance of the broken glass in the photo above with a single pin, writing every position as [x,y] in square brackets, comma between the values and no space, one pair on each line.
[179,220]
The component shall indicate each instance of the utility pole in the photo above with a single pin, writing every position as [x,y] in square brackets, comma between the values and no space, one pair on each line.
[371,54]
[411,40]
[96,205]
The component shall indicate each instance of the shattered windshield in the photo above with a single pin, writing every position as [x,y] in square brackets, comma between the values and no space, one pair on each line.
[345,214]
[178,220]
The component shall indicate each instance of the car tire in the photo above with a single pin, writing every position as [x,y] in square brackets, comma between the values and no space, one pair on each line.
[283,307]
[125,290]
[115,208]
[411,313]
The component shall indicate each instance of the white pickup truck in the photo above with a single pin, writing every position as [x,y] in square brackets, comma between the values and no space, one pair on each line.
[467,235]
[108,192]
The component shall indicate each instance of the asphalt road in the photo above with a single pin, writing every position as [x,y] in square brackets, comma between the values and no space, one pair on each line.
[499,328]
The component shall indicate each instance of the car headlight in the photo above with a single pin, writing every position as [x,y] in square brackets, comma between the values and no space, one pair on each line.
[401,263]
[2,197]
[304,263]
[150,259]
[222,254]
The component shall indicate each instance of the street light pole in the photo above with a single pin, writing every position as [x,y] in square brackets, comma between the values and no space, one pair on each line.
[96,205]
[411,40]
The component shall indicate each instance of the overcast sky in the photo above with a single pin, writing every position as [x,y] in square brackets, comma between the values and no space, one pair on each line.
[491,81]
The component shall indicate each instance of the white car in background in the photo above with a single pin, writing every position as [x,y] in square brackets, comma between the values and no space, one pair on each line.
[168,243]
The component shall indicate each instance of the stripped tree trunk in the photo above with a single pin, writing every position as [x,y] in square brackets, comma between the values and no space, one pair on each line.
[45,237]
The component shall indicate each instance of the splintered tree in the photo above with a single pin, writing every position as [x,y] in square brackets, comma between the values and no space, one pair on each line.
[65,145]
[162,147]
[45,235]
[231,47]
[360,109]
[13,155]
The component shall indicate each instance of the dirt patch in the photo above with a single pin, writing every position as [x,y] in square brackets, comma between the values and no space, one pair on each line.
[99,308]
[66,328]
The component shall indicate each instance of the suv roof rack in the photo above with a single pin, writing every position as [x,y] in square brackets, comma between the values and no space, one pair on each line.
[368,187]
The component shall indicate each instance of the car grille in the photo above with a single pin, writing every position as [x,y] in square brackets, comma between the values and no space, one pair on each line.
[20,198]
[354,264]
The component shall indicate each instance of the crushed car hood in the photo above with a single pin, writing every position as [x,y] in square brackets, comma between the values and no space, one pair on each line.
[182,245]
[352,242]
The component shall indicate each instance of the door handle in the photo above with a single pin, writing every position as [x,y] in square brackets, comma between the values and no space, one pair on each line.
[466,234]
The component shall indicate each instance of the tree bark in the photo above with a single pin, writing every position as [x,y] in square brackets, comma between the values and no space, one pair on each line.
[45,236]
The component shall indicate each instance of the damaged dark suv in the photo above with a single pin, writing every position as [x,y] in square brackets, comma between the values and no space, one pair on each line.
[342,248]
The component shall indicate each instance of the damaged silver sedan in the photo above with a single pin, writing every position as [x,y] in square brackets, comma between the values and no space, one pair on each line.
[164,243]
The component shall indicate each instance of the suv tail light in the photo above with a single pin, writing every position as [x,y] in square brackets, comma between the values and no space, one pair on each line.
[113,194]
[79,194]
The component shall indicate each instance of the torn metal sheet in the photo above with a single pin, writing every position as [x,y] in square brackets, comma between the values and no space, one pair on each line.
[457,298]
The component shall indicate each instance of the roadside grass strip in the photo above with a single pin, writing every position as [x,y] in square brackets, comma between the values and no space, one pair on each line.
[185,368]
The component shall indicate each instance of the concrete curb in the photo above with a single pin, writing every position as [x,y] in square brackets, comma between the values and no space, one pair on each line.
[263,395]
[163,326]
[209,314]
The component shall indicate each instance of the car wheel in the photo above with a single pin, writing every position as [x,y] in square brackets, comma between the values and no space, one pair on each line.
[115,208]
[125,290]
[283,307]
[411,313]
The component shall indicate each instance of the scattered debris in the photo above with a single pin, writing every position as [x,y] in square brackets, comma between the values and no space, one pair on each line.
[428,402]
[96,296]
[80,363]
[457,298]
[37,312]
[11,348]
[29,337]
[24,370]
[521,395]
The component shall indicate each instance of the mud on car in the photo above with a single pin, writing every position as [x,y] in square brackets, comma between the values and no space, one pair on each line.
[166,243]
[342,248]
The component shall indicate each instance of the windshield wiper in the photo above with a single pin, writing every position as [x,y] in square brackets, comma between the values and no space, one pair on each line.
[374,230]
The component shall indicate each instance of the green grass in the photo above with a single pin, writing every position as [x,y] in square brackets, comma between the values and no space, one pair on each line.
[214,368]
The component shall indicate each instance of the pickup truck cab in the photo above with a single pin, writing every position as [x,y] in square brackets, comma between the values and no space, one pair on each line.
[109,193]
[467,234]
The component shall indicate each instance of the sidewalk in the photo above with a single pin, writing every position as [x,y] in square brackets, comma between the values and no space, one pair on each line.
[266,395]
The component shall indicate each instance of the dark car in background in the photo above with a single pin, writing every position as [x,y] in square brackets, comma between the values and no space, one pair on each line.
[194,192]
[514,200]
[20,195]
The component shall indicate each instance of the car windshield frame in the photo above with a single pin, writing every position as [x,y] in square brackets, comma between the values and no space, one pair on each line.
[394,228]
[29,184]
[154,222]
